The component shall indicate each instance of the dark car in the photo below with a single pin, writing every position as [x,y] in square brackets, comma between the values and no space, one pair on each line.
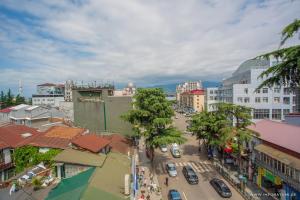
[174,195]
[190,175]
[221,188]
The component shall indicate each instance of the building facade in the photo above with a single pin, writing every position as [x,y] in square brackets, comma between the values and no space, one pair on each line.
[211,98]
[186,87]
[192,101]
[267,103]
[49,94]
[276,158]
[97,109]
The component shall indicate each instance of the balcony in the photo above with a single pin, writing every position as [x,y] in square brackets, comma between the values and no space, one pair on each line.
[287,179]
[4,166]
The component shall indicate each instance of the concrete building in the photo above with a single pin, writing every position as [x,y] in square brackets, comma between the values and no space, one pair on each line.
[129,90]
[97,109]
[271,103]
[192,101]
[49,94]
[276,158]
[186,87]
[211,98]
[68,90]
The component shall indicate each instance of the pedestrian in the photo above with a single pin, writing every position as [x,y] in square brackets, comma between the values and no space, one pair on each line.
[148,197]
[145,182]
[142,196]
[143,170]
[151,178]
[167,181]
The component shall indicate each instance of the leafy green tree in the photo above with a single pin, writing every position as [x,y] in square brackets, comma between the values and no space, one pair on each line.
[287,71]
[9,98]
[213,128]
[241,119]
[2,100]
[152,118]
[19,100]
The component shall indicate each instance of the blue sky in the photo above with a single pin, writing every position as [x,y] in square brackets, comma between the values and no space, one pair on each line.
[146,42]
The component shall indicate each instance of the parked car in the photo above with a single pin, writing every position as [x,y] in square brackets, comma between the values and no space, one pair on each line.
[190,175]
[174,195]
[32,173]
[175,151]
[171,169]
[163,148]
[221,188]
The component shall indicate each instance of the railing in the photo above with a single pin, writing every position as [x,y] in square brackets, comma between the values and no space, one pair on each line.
[283,176]
[6,165]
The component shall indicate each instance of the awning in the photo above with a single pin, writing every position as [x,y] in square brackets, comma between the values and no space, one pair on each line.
[279,155]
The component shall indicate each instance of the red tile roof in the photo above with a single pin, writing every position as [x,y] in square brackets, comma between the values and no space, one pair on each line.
[64,132]
[281,134]
[13,135]
[6,110]
[195,92]
[91,142]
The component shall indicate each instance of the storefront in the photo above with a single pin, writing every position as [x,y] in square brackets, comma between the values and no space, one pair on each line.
[268,181]
[290,193]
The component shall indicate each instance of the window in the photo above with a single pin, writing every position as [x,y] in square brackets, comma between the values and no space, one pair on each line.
[276,99]
[294,99]
[261,114]
[276,90]
[211,98]
[265,90]
[286,111]
[257,91]
[276,114]
[257,99]
[240,99]
[265,99]
[246,90]
[211,92]
[246,100]
[286,100]
[286,91]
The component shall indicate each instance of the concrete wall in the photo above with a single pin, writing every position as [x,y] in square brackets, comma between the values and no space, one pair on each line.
[101,113]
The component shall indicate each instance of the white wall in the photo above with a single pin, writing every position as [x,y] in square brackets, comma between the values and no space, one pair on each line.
[52,101]
[7,156]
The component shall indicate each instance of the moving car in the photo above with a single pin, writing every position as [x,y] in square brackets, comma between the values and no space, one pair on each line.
[175,151]
[221,188]
[163,148]
[174,195]
[171,169]
[190,175]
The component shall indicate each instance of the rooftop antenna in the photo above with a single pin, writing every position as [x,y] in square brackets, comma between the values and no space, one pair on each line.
[20,88]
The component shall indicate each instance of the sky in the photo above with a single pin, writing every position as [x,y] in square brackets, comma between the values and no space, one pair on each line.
[147,42]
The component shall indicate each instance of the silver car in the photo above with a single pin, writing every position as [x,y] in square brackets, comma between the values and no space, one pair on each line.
[171,168]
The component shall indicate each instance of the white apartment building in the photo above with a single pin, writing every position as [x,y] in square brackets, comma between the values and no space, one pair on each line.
[48,94]
[211,98]
[267,103]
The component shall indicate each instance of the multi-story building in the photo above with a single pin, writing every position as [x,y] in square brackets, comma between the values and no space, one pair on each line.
[276,158]
[49,94]
[271,103]
[211,98]
[68,90]
[186,87]
[97,109]
[193,100]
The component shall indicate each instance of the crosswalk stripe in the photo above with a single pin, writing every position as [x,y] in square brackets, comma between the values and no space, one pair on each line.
[184,164]
[180,164]
[205,167]
[177,164]
[195,167]
[201,169]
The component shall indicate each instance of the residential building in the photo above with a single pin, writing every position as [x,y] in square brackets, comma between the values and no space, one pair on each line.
[267,103]
[276,157]
[4,114]
[129,90]
[97,109]
[211,98]
[193,100]
[187,87]
[11,137]
[68,90]
[49,94]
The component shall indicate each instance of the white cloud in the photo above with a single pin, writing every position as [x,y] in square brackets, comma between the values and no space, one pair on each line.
[136,40]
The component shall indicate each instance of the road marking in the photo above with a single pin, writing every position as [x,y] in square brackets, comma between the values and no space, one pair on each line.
[201,169]
[184,164]
[184,195]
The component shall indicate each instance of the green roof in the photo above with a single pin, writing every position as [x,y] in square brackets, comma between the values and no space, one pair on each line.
[109,180]
[80,157]
[71,188]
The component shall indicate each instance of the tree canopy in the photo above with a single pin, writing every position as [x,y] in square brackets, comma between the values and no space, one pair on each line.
[287,71]
[8,99]
[152,118]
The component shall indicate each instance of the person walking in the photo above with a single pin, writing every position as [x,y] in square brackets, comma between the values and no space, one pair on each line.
[167,181]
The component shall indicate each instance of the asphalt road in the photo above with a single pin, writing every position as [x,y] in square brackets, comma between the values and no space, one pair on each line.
[190,156]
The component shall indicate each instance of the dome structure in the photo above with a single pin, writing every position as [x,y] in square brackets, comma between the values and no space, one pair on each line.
[252,64]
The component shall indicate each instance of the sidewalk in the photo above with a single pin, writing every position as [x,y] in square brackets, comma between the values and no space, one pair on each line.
[149,183]
[250,192]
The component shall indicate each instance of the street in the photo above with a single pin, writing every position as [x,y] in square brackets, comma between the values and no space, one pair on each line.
[190,156]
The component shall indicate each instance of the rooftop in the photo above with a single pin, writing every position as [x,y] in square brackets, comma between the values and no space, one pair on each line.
[195,92]
[91,142]
[50,142]
[16,135]
[80,157]
[18,107]
[64,132]
[6,110]
[119,143]
[47,84]
[281,134]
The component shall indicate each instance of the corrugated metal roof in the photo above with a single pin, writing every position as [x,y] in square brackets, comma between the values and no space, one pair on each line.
[18,107]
